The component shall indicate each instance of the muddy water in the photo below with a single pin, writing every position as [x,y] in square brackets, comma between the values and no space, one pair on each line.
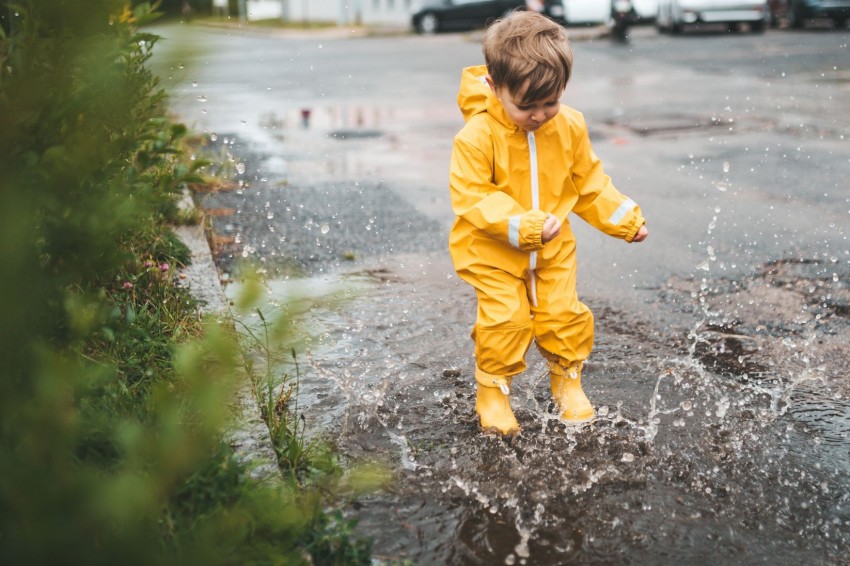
[722,436]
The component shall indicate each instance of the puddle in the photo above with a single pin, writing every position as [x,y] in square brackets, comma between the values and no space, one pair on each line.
[726,440]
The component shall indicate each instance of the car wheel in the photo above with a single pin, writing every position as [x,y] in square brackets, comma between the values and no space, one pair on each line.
[757,27]
[429,23]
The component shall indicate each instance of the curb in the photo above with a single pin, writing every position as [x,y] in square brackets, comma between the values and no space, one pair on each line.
[248,434]
[574,33]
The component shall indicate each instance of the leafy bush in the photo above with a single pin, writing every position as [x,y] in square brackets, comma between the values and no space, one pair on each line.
[113,393]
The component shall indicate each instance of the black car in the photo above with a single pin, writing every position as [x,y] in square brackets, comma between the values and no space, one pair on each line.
[443,15]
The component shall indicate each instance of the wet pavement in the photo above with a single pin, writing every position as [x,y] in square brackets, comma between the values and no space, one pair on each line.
[720,366]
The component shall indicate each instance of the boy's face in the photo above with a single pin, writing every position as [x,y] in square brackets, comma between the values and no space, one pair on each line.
[529,116]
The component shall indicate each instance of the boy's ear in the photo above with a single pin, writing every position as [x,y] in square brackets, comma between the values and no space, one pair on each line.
[490,83]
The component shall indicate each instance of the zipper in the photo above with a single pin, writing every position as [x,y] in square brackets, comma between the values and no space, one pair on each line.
[535,204]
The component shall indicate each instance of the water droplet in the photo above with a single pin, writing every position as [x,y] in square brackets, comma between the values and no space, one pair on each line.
[194,84]
[687,405]
[213,136]
[325,228]
[835,277]
[202,98]
[725,166]
[628,457]
[240,168]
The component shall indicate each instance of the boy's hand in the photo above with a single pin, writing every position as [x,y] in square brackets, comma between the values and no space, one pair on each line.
[641,235]
[551,228]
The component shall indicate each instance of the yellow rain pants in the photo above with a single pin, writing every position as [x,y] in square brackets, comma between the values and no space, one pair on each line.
[508,318]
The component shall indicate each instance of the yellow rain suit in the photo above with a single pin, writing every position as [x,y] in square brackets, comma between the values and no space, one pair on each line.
[503,182]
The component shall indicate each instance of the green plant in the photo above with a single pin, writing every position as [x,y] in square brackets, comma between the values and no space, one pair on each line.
[278,400]
[113,393]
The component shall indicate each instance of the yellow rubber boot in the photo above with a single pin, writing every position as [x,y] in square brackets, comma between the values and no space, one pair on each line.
[574,405]
[493,403]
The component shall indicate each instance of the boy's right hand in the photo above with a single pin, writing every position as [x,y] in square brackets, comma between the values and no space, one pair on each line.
[551,228]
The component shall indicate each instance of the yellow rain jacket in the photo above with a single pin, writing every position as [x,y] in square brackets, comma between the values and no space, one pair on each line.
[503,182]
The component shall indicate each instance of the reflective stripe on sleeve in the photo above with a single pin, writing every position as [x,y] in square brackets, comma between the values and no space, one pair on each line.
[621,212]
[513,230]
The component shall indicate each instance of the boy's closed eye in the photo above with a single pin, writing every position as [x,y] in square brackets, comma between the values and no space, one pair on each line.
[526,107]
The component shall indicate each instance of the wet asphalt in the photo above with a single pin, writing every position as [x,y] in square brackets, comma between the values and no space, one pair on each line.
[719,369]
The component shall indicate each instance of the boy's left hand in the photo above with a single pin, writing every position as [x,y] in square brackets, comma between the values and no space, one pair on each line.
[551,228]
[641,235]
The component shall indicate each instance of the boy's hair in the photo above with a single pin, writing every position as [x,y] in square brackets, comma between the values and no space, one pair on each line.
[528,47]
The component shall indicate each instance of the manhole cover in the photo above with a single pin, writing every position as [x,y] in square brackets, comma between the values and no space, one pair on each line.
[343,135]
[649,125]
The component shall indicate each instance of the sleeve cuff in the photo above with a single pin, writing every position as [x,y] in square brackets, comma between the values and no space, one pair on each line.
[633,230]
[533,232]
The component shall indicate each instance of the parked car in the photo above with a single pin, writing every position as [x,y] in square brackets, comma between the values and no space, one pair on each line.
[674,15]
[443,15]
[797,12]
[599,11]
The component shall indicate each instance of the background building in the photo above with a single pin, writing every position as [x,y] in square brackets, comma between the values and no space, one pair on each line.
[342,12]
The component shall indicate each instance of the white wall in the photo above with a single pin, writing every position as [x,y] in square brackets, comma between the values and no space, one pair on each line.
[264,9]
[343,12]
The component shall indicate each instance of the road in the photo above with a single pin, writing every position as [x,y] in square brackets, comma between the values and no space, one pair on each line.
[720,363]
[751,125]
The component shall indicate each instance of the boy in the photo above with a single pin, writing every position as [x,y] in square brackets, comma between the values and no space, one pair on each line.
[519,166]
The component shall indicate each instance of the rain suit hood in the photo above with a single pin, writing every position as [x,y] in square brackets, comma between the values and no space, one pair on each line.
[475,96]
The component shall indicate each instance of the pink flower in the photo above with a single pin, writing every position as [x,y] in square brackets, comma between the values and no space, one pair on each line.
[128,285]
[163,267]
[148,264]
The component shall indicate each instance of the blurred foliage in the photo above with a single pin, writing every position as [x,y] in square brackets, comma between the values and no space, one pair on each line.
[113,394]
